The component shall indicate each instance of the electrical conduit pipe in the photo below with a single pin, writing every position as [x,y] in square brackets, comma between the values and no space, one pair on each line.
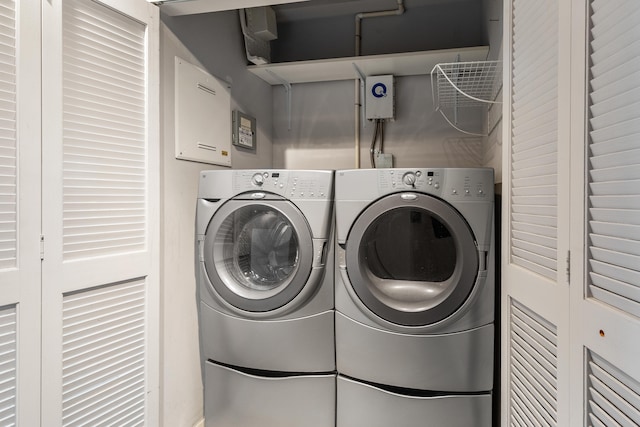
[359,17]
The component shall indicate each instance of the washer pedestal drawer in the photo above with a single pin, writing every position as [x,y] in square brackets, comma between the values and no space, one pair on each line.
[305,344]
[237,399]
[363,405]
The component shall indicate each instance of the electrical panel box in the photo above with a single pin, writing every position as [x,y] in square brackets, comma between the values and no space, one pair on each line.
[202,107]
[383,160]
[379,98]
[244,130]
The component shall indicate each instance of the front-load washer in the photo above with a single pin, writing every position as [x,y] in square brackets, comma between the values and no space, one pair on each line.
[415,296]
[264,263]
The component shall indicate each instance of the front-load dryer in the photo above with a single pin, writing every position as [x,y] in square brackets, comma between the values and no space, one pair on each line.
[266,297]
[415,297]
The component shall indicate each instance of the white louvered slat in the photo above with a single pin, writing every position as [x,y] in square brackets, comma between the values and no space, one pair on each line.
[8,365]
[8,142]
[613,398]
[104,355]
[534,136]
[533,369]
[614,153]
[533,238]
[105,147]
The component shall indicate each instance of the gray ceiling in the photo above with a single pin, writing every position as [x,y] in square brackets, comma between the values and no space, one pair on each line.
[320,29]
[315,9]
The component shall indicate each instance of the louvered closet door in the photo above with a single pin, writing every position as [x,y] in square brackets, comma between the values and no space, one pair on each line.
[19,213]
[100,213]
[608,302]
[535,326]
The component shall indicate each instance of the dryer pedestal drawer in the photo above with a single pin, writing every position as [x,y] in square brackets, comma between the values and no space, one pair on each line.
[457,362]
[363,405]
[237,399]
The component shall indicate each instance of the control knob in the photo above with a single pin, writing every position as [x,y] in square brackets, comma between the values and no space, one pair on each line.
[409,179]
[257,179]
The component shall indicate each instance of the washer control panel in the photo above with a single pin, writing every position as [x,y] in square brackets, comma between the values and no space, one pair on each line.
[289,184]
[447,183]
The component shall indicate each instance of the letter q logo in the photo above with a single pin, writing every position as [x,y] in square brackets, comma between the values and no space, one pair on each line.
[379,90]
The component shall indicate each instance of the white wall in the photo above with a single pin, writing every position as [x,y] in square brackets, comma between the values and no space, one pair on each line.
[322,129]
[181,384]
[492,153]
[492,156]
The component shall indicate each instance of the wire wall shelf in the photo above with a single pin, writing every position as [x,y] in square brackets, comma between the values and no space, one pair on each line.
[465,84]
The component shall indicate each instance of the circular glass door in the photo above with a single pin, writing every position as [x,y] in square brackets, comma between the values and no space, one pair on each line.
[412,261]
[258,256]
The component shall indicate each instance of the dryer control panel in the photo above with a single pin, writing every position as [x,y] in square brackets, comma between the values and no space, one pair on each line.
[475,184]
[428,181]
[447,183]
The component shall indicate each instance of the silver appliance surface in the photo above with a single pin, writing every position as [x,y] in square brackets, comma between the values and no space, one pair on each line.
[263,253]
[238,399]
[365,405]
[264,269]
[415,293]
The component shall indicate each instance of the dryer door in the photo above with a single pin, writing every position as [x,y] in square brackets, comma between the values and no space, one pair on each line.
[412,259]
[258,255]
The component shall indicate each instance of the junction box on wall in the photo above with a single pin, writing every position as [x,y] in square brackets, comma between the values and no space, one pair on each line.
[379,98]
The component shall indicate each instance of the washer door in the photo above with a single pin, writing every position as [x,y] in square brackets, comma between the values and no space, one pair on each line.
[258,255]
[411,259]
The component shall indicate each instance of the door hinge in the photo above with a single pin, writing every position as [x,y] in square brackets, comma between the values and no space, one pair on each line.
[569,267]
[41,247]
